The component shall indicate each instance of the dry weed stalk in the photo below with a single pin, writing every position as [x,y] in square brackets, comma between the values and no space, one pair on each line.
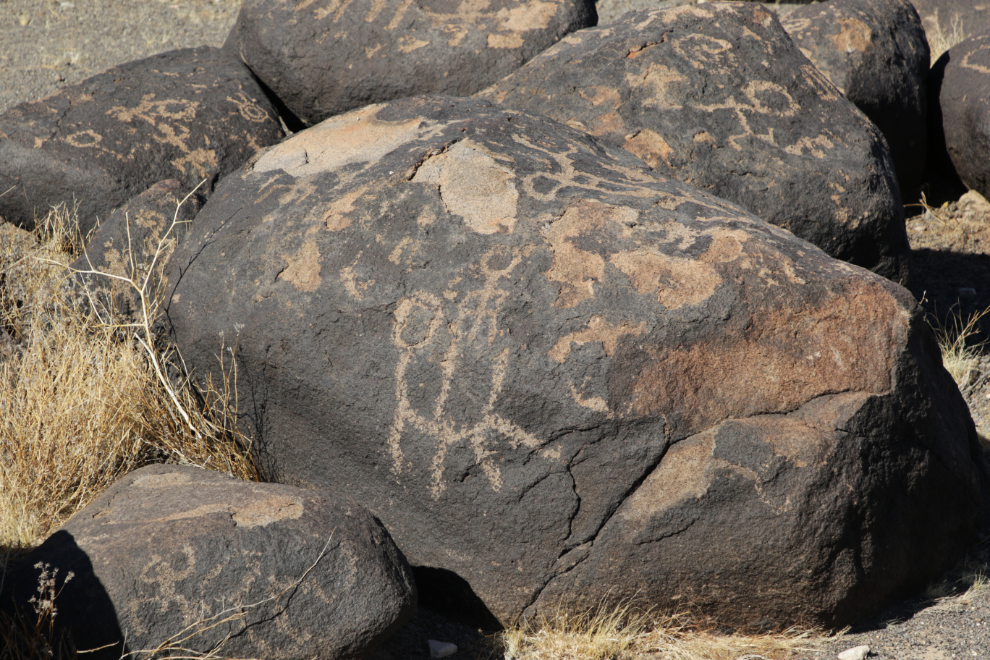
[941,39]
[85,395]
[33,636]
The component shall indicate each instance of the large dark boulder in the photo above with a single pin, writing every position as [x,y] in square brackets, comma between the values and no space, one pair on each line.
[189,115]
[960,126]
[876,53]
[181,555]
[558,377]
[324,57]
[718,96]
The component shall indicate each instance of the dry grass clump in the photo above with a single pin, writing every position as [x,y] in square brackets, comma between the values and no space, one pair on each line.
[942,37]
[622,634]
[959,357]
[86,395]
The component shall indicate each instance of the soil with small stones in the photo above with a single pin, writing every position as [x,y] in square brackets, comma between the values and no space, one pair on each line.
[50,43]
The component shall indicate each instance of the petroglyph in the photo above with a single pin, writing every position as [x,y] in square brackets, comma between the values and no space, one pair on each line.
[978,59]
[201,160]
[650,146]
[303,269]
[623,180]
[682,475]
[529,16]
[678,281]
[159,114]
[599,330]
[820,83]
[423,329]
[262,512]
[853,35]
[691,466]
[248,109]
[353,281]
[757,93]
[474,186]
[574,269]
[83,139]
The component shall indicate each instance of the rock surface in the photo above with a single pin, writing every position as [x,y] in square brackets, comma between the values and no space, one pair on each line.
[948,17]
[718,96]
[558,377]
[168,551]
[876,53]
[134,242]
[324,57]
[189,114]
[960,81]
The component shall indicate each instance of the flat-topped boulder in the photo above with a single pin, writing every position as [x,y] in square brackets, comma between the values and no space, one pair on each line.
[558,377]
[718,96]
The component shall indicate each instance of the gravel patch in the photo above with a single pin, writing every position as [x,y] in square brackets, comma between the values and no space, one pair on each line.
[49,43]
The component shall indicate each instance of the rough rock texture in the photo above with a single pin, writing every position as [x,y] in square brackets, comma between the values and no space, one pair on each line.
[169,546]
[135,242]
[718,96]
[960,81]
[876,53]
[949,16]
[324,57]
[189,114]
[558,377]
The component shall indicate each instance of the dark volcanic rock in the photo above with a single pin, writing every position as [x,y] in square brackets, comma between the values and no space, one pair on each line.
[876,53]
[557,377]
[187,114]
[718,96]
[324,57]
[169,550]
[134,242]
[960,81]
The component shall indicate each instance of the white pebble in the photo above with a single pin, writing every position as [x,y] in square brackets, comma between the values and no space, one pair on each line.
[855,653]
[441,649]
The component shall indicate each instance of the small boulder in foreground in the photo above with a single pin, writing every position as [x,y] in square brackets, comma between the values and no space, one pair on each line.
[168,551]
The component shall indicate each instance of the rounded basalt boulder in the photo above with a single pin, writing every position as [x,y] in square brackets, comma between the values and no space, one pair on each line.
[876,53]
[188,115]
[325,57]
[960,127]
[186,560]
[559,378]
[718,96]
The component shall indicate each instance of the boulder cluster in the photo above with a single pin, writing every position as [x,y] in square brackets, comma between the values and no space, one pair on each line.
[542,313]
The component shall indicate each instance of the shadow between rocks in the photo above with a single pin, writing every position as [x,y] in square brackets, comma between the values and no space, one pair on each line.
[954,583]
[449,611]
[952,284]
[84,618]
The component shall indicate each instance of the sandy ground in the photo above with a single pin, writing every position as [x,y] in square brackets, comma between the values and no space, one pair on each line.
[48,43]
